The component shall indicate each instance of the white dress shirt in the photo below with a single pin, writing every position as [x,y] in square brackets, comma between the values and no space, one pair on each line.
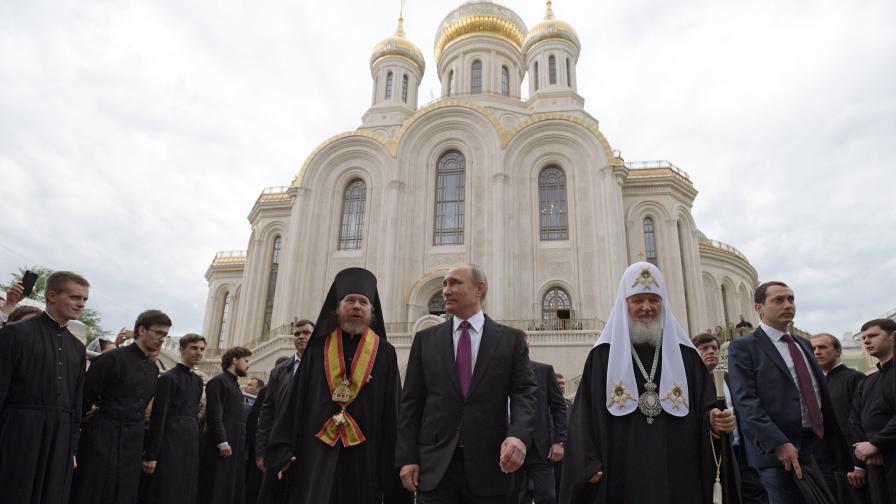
[476,323]
[782,347]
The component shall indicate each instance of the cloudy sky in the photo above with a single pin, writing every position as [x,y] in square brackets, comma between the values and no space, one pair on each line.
[135,136]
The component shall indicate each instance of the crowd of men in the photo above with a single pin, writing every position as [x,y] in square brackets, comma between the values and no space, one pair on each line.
[475,420]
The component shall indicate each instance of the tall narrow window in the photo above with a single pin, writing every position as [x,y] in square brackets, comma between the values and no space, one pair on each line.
[568,74]
[272,287]
[552,69]
[552,204]
[505,81]
[451,83]
[556,298]
[437,304]
[649,241]
[225,315]
[449,211]
[352,225]
[376,85]
[536,76]
[389,85]
[404,88]
[682,252]
[476,77]
[725,311]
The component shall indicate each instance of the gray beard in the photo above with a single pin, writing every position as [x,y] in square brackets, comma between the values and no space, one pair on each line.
[642,333]
[352,327]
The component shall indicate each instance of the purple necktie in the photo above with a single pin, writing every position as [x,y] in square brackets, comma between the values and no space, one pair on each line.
[806,388]
[464,358]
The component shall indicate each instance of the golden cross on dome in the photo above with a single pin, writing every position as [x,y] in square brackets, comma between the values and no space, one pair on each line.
[641,255]
[550,12]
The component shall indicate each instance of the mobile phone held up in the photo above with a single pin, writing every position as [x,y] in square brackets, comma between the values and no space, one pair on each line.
[28,281]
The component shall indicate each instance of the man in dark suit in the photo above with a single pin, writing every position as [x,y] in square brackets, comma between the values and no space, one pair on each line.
[783,401]
[535,480]
[455,443]
[567,407]
[843,384]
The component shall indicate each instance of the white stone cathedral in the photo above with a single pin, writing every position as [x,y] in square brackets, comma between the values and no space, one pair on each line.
[529,189]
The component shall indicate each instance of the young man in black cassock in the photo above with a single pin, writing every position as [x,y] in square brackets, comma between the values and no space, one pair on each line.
[41,381]
[640,426]
[335,441]
[872,424]
[120,384]
[843,385]
[171,459]
[222,449]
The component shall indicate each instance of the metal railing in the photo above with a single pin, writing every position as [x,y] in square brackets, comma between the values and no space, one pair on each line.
[715,244]
[523,325]
[654,164]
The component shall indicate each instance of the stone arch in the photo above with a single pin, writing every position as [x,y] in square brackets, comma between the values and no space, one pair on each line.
[730,306]
[711,295]
[417,298]
[745,301]
[338,143]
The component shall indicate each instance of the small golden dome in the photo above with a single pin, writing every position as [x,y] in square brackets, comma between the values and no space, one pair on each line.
[480,17]
[398,45]
[551,28]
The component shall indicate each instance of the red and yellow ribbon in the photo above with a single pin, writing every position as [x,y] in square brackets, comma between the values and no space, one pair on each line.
[344,390]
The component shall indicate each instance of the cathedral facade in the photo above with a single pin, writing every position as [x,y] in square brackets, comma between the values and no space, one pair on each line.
[529,189]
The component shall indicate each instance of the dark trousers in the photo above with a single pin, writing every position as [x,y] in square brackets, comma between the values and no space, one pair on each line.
[453,489]
[751,489]
[779,482]
[535,482]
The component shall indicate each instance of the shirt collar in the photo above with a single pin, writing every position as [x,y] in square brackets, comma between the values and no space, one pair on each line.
[296,359]
[772,333]
[829,371]
[476,321]
[54,320]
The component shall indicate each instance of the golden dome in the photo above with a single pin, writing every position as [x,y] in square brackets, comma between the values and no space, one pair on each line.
[551,28]
[480,17]
[398,45]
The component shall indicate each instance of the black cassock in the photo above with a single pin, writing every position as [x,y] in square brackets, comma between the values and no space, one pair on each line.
[667,462]
[110,454]
[173,439]
[361,474]
[222,480]
[873,419]
[253,474]
[41,379]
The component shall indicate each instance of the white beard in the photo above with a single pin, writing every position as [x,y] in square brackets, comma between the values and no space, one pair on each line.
[642,333]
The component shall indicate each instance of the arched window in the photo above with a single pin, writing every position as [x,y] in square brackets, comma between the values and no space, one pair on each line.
[436,304]
[649,241]
[556,298]
[726,313]
[505,81]
[568,74]
[351,228]
[552,69]
[476,77]
[225,315]
[272,287]
[449,211]
[536,76]
[552,204]
[404,88]
[451,83]
[389,85]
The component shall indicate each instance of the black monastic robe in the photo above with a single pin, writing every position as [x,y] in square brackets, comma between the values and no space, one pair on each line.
[843,384]
[253,474]
[667,462]
[41,381]
[873,419]
[361,474]
[110,455]
[173,438]
[222,479]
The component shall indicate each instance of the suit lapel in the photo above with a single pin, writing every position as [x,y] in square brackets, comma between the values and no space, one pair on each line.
[487,345]
[446,349]
[765,343]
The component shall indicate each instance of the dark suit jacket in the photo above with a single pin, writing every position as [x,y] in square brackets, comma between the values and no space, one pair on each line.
[550,413]
[275,397]
[767,401]
[434,413]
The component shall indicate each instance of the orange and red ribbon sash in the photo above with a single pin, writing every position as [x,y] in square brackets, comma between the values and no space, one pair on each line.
[344,390]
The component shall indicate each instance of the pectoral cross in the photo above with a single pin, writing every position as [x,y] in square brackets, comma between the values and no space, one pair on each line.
[641,255]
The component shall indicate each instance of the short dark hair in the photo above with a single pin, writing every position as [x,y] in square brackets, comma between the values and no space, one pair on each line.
[834,341]
[188,338]
[258,381]
[237,352]
[58,281]
[281,360]
[300,323]
[762,291]
[21,312]
[887,325]
[150,318]
[704,338]
[559,375]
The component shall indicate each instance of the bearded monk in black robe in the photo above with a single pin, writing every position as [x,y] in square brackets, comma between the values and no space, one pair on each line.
[41,380]
[326,453]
